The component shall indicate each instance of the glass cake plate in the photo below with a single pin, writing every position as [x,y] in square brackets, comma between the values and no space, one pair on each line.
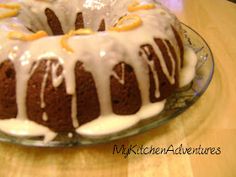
[180,101]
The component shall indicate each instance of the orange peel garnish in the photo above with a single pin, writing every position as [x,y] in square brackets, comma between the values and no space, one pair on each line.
[10,6]
[15,8]
[137,21]
[135,6]
[83,31]
[64,39]
[64,43]
[21,36]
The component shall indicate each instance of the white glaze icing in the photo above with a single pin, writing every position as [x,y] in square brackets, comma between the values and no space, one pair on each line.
[99,53]
[169,76]
[187,73]
[107,124]
[75,121]
[155,76]
[43,85]
[122,78]
[150,110]
[45,116]
[26,128]
[70,135]
[56,79]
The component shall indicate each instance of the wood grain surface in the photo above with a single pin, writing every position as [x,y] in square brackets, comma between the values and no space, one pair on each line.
[211,122]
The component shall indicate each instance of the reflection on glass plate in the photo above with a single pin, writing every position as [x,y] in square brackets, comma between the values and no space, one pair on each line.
[176,104]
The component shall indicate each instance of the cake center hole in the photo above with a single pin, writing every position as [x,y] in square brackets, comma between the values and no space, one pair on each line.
[56,25]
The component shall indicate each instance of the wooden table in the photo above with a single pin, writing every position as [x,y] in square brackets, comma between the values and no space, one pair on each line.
[211,122]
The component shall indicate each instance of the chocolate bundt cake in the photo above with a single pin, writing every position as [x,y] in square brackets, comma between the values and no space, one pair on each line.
[91,67]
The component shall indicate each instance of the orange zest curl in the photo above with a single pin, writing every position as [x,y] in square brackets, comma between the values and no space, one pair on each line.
[20,36]
[14,10]
[135,6]
[64,39]
[64,43]
[136,22]
[83,31]
[10,6]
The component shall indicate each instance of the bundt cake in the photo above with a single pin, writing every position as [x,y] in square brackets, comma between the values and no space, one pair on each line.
[91,67]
